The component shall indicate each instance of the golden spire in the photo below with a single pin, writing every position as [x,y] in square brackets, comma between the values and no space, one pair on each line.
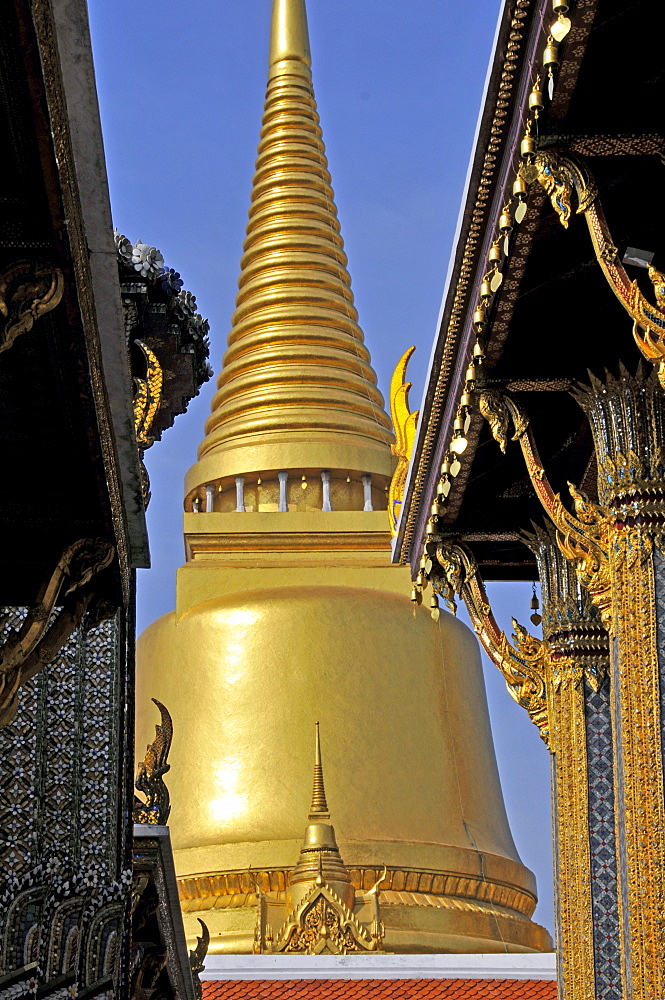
[319,807]
[296,390]
[289,37]
[320,858]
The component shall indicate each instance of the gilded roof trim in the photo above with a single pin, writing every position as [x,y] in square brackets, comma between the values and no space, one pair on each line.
[516,44]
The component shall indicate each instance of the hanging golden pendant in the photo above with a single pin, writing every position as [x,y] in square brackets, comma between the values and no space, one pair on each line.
[560,28]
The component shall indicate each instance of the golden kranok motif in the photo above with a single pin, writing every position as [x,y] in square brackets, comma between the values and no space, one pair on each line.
[525,664]
[571,625]
[27,291]
[584,539]
[611,546]
[60,606]
[404,426]
[627,418]
[323,924]
[147,399]
[150,775]
[561,176]
[548,683]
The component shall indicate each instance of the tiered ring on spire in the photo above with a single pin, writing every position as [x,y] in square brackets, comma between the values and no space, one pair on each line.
[297,389]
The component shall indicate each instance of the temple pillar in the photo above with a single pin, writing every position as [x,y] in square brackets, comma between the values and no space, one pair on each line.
[627,417]
[586,894]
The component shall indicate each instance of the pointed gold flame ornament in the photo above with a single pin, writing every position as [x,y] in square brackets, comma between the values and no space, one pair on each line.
[404,424]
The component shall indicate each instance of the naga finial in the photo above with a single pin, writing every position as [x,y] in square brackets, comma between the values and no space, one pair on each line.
[404,425]
[150,775]
[197,958]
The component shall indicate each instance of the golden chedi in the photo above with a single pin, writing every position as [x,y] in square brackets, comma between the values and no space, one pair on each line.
[289,610]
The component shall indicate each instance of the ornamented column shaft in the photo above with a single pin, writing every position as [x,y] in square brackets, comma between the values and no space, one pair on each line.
[627,416]
[561,681]
[587,912]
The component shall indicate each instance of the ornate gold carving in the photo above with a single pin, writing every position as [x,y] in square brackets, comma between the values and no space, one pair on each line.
[147,399]
[583,539]
[571,622]
[525,665]
[150,775]
[229,890]
[27,291]
[638,727]
[323,924]
[549,685]
[404,426]
[572,844]
[46,629]
[497,409]
[197,958]
[560,176]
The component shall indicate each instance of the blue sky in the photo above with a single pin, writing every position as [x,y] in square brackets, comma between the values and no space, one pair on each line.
[398,86]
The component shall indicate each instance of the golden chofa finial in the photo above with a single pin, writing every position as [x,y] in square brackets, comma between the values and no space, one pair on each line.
[289,38]
[319,807]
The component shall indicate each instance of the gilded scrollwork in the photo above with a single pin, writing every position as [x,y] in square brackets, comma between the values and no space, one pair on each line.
[582,537]
[561,176]
[404,426]
[525,664]
[147,399]
[27,291]
[60,606]
[150,775]
[323,924]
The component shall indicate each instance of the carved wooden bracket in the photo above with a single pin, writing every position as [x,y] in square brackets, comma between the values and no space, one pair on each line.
[27,291]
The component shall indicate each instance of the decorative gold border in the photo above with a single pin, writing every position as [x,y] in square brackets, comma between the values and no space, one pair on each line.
[201,891]
[639,785]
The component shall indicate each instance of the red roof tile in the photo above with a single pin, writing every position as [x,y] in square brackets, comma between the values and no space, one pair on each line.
[379,989]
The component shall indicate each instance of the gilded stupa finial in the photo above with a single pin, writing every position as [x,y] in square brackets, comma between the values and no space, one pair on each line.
[319,807]
[297,390]
[289,37]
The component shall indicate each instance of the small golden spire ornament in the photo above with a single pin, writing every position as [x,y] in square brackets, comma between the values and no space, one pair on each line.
[319,807]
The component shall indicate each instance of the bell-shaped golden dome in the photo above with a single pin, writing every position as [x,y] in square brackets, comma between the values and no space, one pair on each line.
[291,612]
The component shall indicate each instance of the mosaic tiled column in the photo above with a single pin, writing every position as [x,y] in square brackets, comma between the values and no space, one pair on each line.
[627,416]
[582,781]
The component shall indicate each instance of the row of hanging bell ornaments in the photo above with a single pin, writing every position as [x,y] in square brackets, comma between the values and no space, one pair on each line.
[535,605]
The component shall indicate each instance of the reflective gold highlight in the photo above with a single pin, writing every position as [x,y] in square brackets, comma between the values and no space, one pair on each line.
[289,611]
